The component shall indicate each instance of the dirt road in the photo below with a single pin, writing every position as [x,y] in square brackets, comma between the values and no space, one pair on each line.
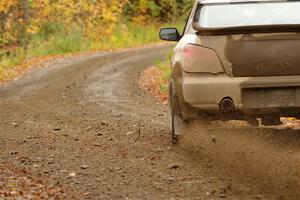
[85,126]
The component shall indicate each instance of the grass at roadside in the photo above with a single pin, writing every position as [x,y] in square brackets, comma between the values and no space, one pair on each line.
[165,68]
[57,40]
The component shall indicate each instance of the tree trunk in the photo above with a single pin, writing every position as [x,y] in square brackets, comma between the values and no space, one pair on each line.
[25,8]
[26,17]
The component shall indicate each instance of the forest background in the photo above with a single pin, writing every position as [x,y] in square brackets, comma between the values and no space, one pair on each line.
[33,29]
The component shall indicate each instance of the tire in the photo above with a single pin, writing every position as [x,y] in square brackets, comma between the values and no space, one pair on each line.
[174,112]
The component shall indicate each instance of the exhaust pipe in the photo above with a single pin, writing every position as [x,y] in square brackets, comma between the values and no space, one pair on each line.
[227,104]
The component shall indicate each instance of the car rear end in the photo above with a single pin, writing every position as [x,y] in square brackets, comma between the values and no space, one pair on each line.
[242,57]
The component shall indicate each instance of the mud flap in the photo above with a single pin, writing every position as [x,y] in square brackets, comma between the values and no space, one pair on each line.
[174,112]
[175,115]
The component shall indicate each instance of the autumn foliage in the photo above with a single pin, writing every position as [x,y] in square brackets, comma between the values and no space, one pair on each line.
[20,20]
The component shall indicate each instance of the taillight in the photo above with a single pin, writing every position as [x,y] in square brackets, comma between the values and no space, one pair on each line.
[201,59]
[188,51]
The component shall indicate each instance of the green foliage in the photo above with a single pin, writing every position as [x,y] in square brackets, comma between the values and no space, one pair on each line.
[162,10]
[59,42]
[12,59]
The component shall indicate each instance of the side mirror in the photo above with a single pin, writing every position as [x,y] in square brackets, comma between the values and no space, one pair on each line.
[169,34]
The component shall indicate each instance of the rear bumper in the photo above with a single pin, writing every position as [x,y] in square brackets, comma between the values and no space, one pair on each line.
[250,94]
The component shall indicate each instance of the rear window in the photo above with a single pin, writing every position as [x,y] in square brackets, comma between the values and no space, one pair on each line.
[214,16]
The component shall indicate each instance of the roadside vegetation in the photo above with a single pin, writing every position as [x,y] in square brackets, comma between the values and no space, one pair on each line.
[155,78]
[42,28]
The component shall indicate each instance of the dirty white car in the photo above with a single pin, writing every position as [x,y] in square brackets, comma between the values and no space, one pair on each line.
[236,60]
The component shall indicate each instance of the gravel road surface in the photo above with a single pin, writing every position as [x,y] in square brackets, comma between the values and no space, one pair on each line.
[84,125]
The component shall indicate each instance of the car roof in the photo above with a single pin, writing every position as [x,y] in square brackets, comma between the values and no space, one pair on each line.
[238,1]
